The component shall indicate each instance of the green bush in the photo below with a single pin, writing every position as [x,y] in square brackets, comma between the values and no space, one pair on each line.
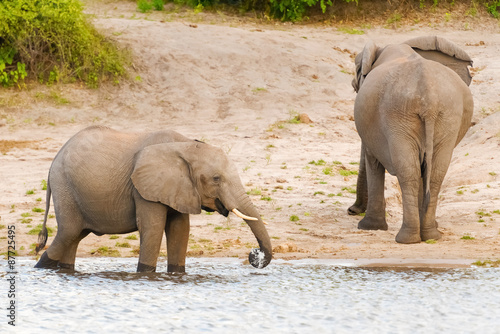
[492,8]
[52,41]
[294,10]
[297,10]
[145,6]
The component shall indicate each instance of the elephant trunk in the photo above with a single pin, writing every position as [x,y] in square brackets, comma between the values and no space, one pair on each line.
[259,258]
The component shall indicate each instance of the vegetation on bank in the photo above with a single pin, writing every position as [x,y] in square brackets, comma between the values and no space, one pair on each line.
[53,41]
[297,10]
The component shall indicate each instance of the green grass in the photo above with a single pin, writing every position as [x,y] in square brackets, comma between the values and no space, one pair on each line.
[221,228]
[467,237]
[37,210]
[351,31]
[38,228]
[294,218]
[203,240]
[431,241]
[320,162]
[327,170]
[132,237]
[255,192]
[113,237]
[349,189]
[123,244]
[345,172]
[487,263]
[106,251]
[30,192]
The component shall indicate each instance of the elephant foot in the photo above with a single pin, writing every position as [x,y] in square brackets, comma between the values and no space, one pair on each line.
[46,262]
[370,223]
[356,209]
[429,234]
[408,236]
[144,268]
[173,268]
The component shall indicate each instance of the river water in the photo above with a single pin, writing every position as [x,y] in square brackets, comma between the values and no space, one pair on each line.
[225,296]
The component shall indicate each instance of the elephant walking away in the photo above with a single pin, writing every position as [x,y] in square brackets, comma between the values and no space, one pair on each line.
[108,182]
[413,106]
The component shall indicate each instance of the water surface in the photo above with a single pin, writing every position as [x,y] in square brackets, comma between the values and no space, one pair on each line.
[225,296]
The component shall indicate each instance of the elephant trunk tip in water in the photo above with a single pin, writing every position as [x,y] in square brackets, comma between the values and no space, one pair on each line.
[257,258]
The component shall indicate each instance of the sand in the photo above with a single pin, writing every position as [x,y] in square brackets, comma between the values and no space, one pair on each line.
[239,84]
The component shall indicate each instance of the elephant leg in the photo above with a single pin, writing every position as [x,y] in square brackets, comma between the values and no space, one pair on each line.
[428,225]
[177,233]
[59,249]
[69,223]
[375,209]
[361,188]
[151,218]
[68,259]
[408,172]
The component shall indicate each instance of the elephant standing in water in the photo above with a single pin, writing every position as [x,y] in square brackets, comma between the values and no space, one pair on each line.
[107,182]
[413,106]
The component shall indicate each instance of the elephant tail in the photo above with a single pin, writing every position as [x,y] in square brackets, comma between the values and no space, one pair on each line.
[426,166]
[43,235]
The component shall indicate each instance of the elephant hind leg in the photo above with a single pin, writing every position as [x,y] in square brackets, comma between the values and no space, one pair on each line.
[68,259]
[375,209]
[361,188]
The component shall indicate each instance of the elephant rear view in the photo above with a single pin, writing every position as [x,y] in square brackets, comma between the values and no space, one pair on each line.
[412,108]
[108,182]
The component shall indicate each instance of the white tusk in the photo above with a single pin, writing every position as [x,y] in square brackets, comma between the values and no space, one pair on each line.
[242,216]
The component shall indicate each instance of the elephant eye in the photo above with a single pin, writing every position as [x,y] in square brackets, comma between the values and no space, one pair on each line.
[216,179]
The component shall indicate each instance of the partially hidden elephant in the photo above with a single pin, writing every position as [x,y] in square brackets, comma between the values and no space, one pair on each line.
[413,106]
[108,182]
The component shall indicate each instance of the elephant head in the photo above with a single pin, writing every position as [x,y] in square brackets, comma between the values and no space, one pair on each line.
[191,176]
[429,47]
[364,62]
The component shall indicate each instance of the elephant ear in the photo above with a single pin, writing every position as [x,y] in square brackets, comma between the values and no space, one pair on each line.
[445,52]
[364,62]
[161,174]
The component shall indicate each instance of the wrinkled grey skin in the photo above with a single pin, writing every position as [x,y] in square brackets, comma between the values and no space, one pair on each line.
[107,182]
[410,113]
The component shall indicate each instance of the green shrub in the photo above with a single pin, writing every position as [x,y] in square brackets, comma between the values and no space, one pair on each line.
[53,41]
[158,4]
[297,10]
[144,6]
[492,8]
